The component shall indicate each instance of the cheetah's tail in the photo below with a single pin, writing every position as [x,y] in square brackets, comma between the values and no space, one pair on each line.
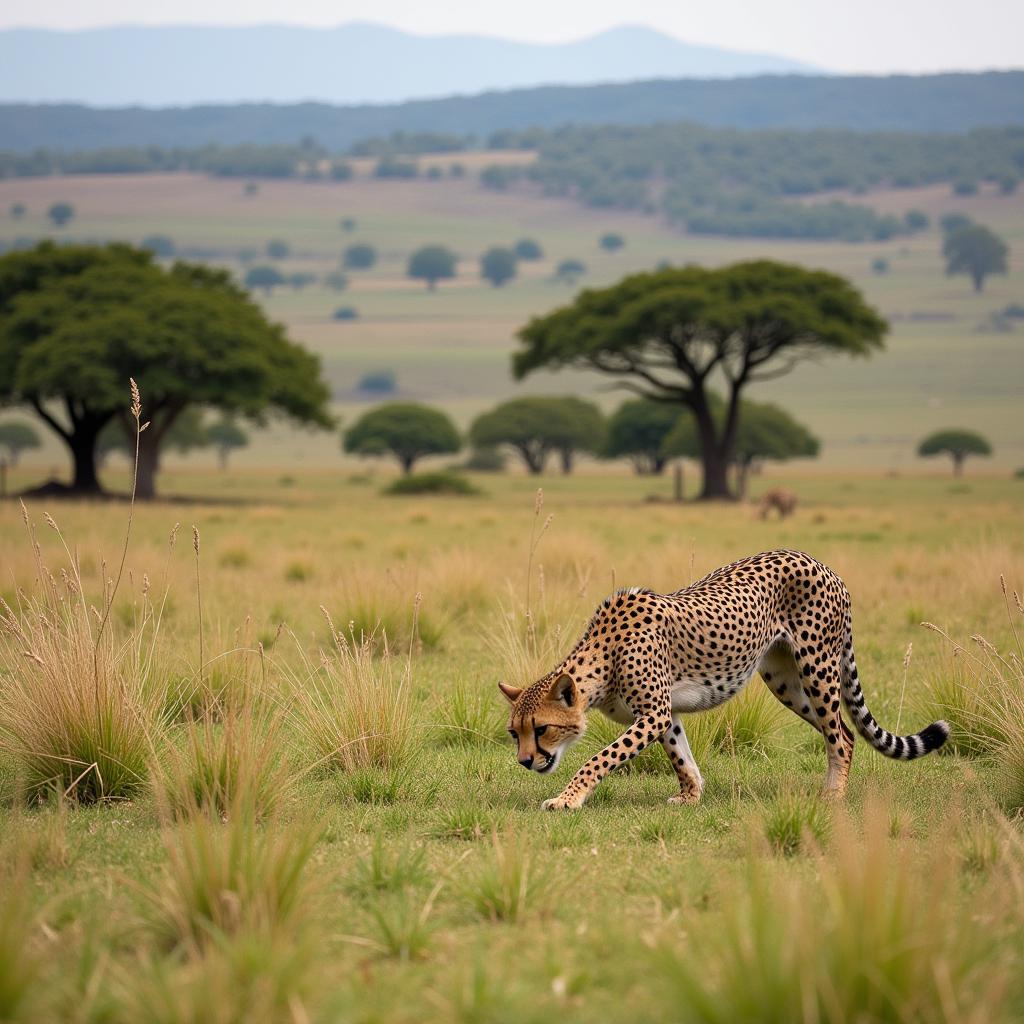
[903,748]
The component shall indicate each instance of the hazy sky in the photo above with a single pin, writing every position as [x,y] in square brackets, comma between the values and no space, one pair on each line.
[849,35]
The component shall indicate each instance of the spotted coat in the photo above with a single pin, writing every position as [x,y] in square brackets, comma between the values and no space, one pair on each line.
[646,659]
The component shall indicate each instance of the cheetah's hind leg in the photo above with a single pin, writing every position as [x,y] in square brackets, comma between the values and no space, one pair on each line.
[782,675]
[691,784]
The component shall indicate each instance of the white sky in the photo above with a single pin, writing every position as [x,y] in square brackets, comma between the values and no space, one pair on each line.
[841,35]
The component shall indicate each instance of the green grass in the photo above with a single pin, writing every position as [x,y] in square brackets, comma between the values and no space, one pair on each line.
[415,877]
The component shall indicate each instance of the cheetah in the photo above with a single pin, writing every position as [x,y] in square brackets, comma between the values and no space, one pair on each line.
[646,659]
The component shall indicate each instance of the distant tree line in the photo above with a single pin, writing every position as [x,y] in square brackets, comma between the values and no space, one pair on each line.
[731,182]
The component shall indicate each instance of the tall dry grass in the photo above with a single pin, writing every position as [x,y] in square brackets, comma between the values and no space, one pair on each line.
[983,695]
[354,703]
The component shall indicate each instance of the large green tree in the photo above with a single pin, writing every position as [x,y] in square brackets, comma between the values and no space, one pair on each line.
[77,321]
[406,430]
[669,335]
[974,250]
[957,443]
[537,427]
[637,431]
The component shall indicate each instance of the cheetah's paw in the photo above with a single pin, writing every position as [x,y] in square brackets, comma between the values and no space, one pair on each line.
[560,803]
[685,798]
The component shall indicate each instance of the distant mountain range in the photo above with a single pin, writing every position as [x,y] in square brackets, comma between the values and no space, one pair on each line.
[352,64]
[926,103]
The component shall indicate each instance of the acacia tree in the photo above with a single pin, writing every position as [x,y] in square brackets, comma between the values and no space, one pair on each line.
[766,432]
[974,250]
[536,427]
[17,437]
[637,430]
[77,321]
[956,443]
[666,335]
[406,430]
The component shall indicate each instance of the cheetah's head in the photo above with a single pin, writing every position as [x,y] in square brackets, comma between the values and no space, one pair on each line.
[547,718]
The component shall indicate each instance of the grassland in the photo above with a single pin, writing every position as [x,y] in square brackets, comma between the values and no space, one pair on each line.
[943,366]
[422,882]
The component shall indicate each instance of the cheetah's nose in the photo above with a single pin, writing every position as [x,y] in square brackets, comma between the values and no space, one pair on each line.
[526,762]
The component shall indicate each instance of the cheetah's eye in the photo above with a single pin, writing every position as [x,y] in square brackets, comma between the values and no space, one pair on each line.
[540,730]
[512,733]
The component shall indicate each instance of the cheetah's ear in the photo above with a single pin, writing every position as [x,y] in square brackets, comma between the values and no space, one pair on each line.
[563,689]
[511,692]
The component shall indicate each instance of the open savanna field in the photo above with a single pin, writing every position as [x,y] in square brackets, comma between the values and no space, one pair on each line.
[299,827]
[944,364]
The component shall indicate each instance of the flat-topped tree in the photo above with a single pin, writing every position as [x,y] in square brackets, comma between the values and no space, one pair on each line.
[667,334]
[956,443]
[537,427]
[406,430]
[637,431]
[77,321]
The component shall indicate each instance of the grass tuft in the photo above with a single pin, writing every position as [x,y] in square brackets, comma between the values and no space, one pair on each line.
[506,883]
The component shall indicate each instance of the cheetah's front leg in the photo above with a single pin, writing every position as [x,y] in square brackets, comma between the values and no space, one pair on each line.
[691,784]
[642,733]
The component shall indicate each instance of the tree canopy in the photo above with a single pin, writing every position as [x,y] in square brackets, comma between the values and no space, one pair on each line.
[17,437]
[360,256]
[528,249]
[77,321]
[406,430]
[61,214]
[498,265]
[432,263]
[264,276]
[538,426]
[974,250]
[957,443]
[665,334]
[637,430]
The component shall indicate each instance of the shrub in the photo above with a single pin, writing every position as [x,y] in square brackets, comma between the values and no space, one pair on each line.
[432,483]
[217,767]
[485,459]
[345,313]
[355,707]
[378,382]
[336,281]
[80,709]
[880,265]
[611,242]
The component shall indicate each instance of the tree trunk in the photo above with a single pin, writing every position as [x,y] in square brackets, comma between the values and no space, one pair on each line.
[83,452]
[979,281]
[677,483]
[715,464]
[658,465]
[742,478]
[407,463]
[567,460]
[149,466]
[958,464]
[222,458]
